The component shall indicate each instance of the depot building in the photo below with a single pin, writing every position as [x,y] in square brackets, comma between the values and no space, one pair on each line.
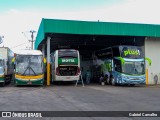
[89,36]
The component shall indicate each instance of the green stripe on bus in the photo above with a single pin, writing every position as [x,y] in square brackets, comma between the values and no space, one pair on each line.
[24,82]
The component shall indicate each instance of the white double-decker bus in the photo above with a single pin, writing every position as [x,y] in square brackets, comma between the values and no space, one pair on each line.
[65,65]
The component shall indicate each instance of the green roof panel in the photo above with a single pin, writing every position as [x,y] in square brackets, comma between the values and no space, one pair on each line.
[94,28]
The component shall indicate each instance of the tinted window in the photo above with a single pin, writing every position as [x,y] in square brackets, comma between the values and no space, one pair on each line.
[67,54]
[105,53]
[116,52]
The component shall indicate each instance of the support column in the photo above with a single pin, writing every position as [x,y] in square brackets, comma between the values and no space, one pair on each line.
[146,76]
[48,62]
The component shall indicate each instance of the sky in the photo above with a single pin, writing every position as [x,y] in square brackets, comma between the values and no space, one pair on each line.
[18,17]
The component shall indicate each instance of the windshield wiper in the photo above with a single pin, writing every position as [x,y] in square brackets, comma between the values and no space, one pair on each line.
[25,70]
[33,71]
[29,68]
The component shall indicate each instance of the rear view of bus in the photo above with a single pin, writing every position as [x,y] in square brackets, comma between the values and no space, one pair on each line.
[65,65]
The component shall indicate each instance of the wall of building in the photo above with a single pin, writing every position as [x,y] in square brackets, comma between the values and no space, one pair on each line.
[152,51]
[86,65]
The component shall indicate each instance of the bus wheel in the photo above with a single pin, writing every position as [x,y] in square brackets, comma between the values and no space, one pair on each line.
[112,81]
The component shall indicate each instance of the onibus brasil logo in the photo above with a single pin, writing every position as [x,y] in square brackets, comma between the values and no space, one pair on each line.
[21,114]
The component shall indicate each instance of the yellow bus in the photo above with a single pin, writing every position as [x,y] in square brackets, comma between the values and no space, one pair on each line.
[29,68]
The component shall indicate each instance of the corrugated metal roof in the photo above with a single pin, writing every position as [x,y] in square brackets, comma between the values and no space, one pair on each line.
[94,28]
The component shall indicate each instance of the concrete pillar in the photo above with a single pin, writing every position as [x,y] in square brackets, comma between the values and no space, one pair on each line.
[48,61]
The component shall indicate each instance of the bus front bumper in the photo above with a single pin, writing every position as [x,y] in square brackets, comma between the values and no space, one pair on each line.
[67,78]
[29,82]
[132,80]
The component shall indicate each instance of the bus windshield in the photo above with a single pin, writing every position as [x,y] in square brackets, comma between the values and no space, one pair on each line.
[29,64]
[133,68]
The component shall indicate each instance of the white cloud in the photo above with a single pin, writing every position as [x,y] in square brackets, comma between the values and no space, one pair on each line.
[13,22]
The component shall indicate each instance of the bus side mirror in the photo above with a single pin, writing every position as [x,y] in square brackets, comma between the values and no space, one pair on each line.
[44,61]
[13,61]
[149,61]
[122,60]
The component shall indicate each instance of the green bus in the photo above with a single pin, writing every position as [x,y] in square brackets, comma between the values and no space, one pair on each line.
[29,68]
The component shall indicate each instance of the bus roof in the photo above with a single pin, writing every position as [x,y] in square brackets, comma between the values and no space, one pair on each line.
[67,50]
[29,52]
[63,50]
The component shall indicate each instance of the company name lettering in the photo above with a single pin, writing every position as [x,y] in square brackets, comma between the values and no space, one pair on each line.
[131,52]
[68,60]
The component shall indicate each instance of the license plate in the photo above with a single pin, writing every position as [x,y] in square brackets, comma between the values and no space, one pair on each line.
[29,83]
[67,77]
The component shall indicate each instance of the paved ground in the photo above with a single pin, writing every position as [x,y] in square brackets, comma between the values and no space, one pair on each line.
[88,98]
